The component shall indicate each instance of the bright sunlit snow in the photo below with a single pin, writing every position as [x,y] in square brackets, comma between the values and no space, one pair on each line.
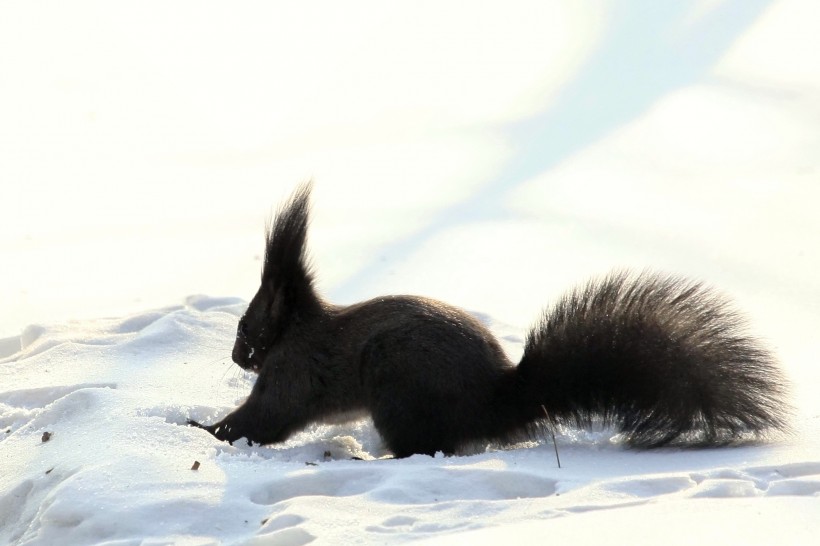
[491,156]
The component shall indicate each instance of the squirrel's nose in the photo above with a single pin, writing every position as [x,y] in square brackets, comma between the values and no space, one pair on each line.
[240,354]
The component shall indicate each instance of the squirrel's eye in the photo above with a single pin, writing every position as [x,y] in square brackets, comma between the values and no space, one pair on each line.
[243,329]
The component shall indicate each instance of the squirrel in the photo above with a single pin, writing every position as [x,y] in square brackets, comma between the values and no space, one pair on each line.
[663,359]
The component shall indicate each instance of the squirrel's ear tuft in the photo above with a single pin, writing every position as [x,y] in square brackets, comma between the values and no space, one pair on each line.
[285,252]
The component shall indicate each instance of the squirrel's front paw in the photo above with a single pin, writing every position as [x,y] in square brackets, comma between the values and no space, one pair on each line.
[221,431]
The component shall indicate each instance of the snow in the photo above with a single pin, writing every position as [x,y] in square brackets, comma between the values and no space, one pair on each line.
[143,146]
[115,394]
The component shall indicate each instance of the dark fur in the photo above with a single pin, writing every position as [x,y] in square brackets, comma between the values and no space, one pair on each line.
[663,359]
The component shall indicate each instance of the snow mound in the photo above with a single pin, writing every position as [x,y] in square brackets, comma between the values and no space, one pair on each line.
[95,450]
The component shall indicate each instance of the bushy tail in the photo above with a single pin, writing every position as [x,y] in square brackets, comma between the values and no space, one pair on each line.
[664,359]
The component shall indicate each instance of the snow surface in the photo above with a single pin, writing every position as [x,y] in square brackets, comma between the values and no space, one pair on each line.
[143,144]
[114,396]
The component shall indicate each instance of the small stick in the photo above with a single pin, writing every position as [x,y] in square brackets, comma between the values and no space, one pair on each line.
[552,433]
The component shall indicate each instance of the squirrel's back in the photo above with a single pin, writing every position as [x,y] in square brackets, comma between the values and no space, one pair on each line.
[430,374]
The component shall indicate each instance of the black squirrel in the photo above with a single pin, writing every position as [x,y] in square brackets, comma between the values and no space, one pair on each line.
[662,358]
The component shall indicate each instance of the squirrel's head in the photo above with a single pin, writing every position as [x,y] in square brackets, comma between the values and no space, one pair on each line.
[286,293]
[258,330]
